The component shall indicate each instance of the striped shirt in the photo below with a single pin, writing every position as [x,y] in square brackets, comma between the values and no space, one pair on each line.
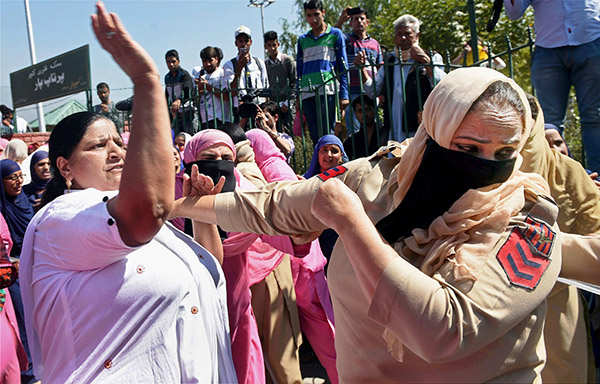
[371,48]
[318,57]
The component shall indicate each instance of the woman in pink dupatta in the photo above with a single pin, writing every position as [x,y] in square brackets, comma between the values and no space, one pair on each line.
[310,283]
[247,260]
[12,354]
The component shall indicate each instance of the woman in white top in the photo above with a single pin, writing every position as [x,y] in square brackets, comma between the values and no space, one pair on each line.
[111,292]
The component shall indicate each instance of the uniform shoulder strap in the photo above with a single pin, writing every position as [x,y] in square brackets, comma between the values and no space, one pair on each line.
[543,207]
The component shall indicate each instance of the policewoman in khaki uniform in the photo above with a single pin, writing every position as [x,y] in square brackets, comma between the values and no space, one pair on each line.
[461,295]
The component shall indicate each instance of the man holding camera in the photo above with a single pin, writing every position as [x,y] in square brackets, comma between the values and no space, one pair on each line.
[244,72]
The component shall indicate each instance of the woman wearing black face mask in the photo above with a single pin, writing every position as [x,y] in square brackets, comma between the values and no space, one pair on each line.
[460,294]
[209,158]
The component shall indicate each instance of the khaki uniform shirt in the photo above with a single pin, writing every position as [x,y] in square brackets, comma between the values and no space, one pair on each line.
[578,200]
[492,332]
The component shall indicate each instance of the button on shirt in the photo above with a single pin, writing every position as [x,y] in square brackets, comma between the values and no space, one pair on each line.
[559,23]
[93,317]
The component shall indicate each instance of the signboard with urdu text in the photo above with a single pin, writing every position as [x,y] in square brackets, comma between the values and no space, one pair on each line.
[56,77]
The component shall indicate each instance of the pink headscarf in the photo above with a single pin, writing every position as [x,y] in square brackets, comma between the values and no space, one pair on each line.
[3,144]
[205,139]
[268,157]
[273,166]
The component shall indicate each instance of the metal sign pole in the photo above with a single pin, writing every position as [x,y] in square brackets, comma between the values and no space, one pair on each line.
[40,108]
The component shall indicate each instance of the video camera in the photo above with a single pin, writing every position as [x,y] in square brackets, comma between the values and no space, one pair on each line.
[249,102]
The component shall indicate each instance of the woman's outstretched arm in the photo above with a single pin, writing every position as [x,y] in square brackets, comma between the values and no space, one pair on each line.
[147,185]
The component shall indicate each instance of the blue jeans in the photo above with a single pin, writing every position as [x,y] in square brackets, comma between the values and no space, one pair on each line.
[553,71]
[314,114]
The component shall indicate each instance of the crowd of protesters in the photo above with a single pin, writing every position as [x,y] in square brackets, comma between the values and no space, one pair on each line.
[182,247]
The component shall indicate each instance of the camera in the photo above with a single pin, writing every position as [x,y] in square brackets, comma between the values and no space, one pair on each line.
[355,11]
[249,102]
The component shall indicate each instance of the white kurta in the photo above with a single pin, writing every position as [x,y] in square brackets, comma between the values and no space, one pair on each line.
[98,310]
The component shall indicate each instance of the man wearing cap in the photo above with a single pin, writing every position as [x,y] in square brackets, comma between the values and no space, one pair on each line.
[245,72]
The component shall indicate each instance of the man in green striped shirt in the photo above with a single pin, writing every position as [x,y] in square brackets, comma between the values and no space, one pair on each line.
[320,59]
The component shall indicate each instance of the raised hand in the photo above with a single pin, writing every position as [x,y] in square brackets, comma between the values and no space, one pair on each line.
[360,59]
[200,185]
[115,39]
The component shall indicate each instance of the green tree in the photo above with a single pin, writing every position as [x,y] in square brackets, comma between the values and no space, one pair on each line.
[445,27]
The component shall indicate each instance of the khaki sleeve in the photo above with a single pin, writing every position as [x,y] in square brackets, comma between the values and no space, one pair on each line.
[581,258]
[244,152]
[440,323]
[280,208]
[246,165]
[575,193]
[252,173]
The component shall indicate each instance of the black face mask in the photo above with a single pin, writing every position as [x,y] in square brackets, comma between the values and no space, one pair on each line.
[442,178]
[215,169]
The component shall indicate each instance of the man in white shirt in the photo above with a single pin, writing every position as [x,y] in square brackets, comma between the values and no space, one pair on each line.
[406,39]
[245,72]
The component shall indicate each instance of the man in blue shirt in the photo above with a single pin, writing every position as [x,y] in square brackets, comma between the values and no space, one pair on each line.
[567,52]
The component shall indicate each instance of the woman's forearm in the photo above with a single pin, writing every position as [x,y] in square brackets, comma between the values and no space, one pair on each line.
[282,144]
[147,181]
[207,235]
[147,184]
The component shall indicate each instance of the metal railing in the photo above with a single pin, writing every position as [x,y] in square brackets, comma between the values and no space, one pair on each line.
[211,109]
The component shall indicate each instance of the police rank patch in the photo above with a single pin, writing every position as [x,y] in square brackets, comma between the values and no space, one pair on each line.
[525,254]
[332,172]
[540,235]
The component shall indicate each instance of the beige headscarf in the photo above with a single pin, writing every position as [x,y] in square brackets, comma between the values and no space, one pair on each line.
[468,231]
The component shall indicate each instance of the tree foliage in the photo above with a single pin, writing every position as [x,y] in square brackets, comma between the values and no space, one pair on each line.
[445,27]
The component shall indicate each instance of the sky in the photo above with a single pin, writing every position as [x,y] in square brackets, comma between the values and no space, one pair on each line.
[186,25]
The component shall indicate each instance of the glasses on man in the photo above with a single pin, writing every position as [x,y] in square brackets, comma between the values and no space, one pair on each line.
[14,178]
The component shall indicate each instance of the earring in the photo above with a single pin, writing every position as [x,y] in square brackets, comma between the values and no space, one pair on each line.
[68,184]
